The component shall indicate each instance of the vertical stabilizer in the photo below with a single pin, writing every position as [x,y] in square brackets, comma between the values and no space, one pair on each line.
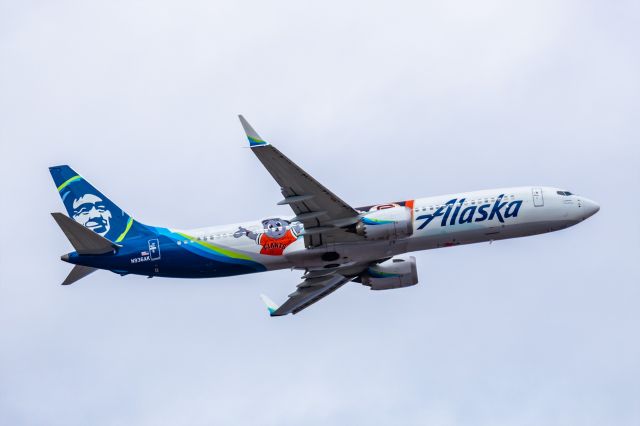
[91,209]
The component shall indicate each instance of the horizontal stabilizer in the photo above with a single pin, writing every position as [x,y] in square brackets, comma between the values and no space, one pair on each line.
[78,272]
[84,240]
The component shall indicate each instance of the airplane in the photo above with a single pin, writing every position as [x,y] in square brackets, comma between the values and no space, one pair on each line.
[328,240]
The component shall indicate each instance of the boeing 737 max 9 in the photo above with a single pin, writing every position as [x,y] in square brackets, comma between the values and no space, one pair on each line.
[331,241]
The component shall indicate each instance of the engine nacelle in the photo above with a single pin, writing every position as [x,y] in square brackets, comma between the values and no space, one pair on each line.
[393,222]
[397,272]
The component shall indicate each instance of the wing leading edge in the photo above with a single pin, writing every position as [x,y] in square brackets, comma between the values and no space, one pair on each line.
[307,293]
[321,211]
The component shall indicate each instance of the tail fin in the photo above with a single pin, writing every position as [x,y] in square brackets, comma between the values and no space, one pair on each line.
[82,239]
[90,208]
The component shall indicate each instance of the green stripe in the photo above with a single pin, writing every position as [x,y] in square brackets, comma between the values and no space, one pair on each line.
[124,234]
[68,181]
[256,141]
[217,249]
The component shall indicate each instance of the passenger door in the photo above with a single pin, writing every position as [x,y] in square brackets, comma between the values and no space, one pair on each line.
[538,199]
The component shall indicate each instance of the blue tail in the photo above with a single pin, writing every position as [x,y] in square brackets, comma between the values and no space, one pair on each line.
[89,207]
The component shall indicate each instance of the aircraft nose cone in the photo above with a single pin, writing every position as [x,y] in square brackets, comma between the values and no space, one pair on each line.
[589,207]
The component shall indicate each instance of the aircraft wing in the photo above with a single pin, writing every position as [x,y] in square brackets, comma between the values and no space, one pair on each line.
[307,293]
[321,211]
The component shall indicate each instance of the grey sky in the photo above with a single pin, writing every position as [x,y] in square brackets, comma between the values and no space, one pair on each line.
[380,102]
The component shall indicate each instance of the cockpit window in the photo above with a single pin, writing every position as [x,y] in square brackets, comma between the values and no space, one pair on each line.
[565,193]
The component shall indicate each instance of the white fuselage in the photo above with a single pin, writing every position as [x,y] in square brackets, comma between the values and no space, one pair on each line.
[440,221]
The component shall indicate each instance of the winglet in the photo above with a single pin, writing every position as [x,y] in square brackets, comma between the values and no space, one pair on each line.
[252,135]
[271,306]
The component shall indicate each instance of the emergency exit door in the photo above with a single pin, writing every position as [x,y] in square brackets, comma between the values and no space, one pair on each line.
[538,199]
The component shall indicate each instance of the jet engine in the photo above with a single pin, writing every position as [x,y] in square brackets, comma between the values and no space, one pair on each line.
[397,272]
[393,222]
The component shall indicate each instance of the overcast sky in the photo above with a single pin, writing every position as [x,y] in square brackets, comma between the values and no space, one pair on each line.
[379,102]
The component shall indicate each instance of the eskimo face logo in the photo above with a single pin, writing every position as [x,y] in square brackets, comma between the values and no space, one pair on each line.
[91,211]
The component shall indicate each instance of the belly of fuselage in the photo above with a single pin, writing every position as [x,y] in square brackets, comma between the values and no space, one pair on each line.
[163,257]
[166,256]
[459,235]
